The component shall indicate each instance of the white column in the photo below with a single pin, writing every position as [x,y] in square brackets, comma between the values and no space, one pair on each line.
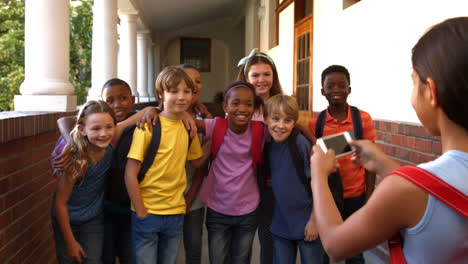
[151,78]
[252,26]
[142,68]
[46,44]
[104,53]
[128,51]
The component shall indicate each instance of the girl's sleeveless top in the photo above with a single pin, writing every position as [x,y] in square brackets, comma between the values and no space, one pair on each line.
[442,234]
[87,198]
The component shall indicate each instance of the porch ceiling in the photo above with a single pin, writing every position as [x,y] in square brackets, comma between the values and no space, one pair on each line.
[166,15]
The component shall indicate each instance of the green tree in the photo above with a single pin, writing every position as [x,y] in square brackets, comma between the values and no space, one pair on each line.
[12,49]
[81,34]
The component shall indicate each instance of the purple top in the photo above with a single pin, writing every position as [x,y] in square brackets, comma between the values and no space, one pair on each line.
[231,185]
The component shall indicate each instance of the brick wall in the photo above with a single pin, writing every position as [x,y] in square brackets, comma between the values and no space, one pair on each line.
[26,186]
[407,143]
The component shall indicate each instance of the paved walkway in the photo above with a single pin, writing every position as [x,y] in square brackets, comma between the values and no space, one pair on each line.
[370,258]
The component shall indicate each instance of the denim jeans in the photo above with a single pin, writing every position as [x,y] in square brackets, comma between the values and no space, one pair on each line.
[230,238]
[193,231]
[156,238]
[286,250]
[89,234]
[117,238]
[265,216]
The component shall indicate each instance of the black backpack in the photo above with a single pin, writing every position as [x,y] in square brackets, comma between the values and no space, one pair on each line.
[116,189]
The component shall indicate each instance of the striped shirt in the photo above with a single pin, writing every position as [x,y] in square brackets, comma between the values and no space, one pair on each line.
[352,175]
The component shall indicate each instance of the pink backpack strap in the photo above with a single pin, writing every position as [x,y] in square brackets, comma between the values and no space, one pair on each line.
[219,130]
[257,140]
[435,186]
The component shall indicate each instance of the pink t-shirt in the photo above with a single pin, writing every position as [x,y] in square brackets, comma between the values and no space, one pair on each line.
[231,186]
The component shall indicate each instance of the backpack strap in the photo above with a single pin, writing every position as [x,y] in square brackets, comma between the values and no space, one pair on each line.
[257,140]
[219,130]
[355,116]
[437,187]
[298,161]
[434,186]
[151,151]
[357,123]
[320,124]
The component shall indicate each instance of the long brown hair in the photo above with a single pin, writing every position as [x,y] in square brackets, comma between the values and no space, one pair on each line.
[256,59]
[75,157]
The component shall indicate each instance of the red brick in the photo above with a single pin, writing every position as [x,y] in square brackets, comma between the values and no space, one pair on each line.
[5,185]
[2,203]
[436,147]
[10,165]
[423,145]
[408,142]
[419,131]
[397,140]
[12,198]
[394,127]
[401,153]
[417,157]
[376,124]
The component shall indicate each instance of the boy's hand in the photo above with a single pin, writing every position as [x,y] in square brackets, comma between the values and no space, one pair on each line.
[141,213]
[188,202]
[76,252]
[322,164]
[150,117]
[190,124]
[310,231]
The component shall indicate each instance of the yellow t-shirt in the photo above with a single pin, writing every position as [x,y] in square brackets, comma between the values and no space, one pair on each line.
[163,187]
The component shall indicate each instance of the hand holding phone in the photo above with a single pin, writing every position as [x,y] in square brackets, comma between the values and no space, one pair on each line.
[340,143]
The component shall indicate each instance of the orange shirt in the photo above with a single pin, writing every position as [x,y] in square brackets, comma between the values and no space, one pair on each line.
[352,175]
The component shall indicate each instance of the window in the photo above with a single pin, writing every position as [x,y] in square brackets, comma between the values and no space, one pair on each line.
[196,52]
[348,3]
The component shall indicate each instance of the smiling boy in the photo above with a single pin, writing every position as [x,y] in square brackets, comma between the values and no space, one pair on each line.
[358,183]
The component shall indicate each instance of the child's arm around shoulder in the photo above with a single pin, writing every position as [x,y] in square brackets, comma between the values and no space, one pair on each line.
[197,154]
[132,120]
[66,125]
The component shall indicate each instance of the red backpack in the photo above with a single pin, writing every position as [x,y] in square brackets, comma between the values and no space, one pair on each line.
[219,131]
[434,186]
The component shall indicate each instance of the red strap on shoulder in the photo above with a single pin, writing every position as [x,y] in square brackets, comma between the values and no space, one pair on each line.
[437,187]
[396,250]
[257,140]
[219,130]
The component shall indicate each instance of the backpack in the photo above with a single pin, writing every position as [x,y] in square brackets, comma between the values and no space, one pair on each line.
[355,116]
[219,131]
[334,180]
[435,186]
[116,188]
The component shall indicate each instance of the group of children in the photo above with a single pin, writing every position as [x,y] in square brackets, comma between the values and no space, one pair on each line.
[259,173]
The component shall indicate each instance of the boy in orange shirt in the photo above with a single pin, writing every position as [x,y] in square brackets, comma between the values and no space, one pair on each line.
[358,183]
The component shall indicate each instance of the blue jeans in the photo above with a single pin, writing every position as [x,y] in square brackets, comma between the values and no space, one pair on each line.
[117,237]
[265,237]
[156,238]
[89,234]
[230,238]
[193,231]
[286,250]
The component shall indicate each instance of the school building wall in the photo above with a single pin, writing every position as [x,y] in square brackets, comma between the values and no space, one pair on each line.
[373,39]
[227,48]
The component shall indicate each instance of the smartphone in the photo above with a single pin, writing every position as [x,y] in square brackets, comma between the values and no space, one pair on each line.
[338,142]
